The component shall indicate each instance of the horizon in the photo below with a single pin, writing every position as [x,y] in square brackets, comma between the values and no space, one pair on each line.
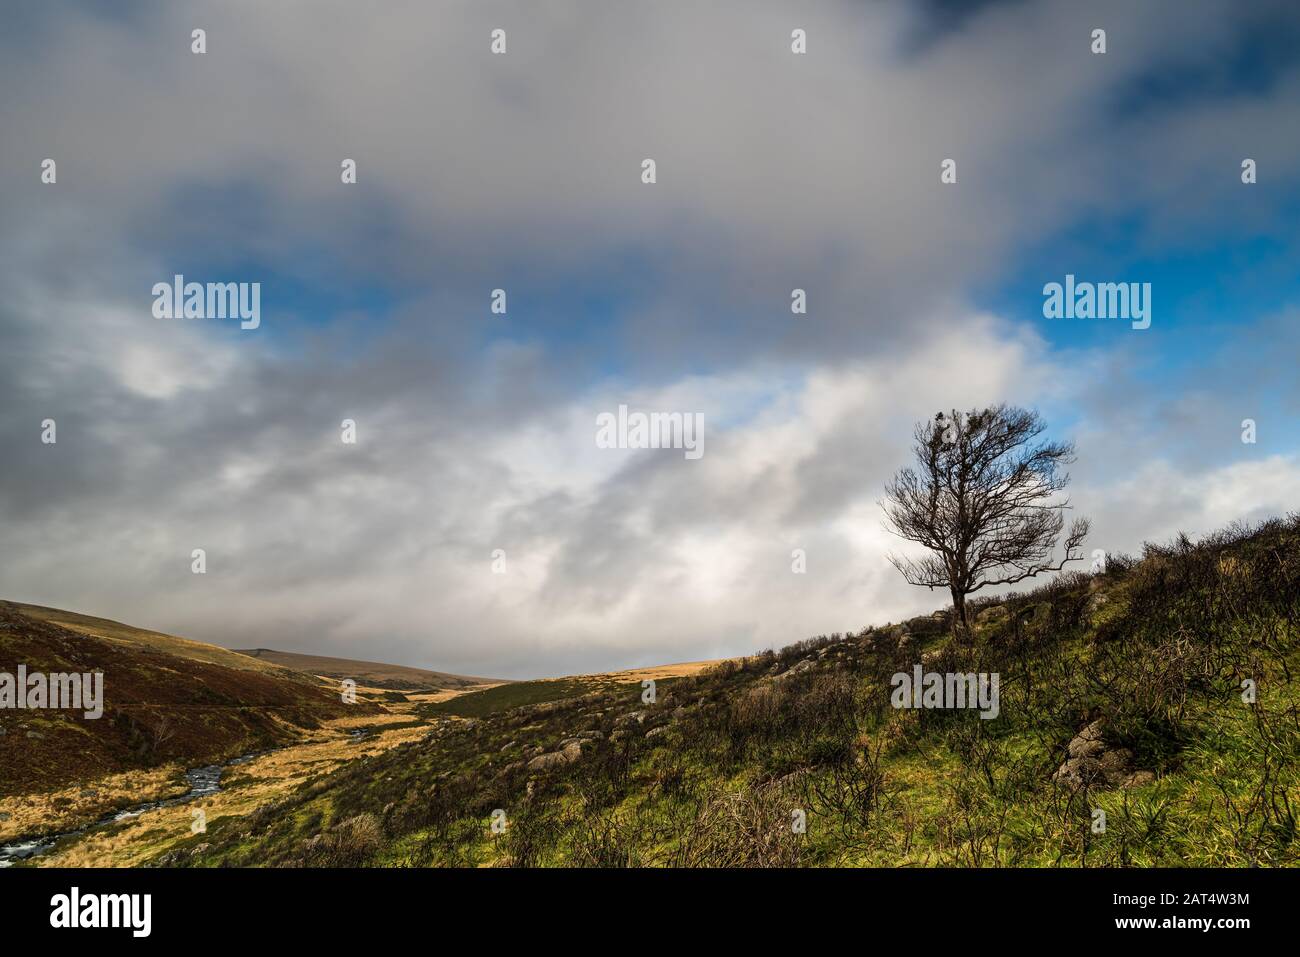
[997,596]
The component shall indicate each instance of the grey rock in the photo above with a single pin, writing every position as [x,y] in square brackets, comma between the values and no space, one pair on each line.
[1138,779]
[1092,763]
[566,755]
[1117,765]
[1078,772]
[806,664]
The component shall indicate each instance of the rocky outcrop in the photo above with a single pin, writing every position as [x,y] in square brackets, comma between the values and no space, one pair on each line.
[807,664]
[1092,763]
[630,719]
[566,755]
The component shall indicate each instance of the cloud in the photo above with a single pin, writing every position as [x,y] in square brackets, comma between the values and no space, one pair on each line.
[476,432]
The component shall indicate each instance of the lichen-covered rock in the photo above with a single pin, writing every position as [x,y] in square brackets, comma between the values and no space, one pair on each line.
[566,755]
[1091,763]
[1079,772]
[1138,779]
[1088,743]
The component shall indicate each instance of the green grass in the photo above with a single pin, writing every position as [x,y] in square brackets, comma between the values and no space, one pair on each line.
[480,704]
[1161,661]
[490,701]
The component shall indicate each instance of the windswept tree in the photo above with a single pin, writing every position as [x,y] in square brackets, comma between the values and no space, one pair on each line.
[985,498]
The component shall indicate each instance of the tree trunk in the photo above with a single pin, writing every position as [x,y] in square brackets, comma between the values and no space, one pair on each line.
[960,624]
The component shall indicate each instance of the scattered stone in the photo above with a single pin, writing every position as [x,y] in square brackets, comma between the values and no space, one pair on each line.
[1091,762]
[1078,772]
[1088,743]
[1138,779]
[806,664]
[555,759]
[656,732]
[1117,764]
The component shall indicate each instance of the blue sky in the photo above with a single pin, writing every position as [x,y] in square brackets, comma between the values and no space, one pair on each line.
[776,171]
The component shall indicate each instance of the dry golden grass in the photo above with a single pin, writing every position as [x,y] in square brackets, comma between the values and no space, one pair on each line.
[373,673]
[246,787]
[169,644]
[682,669]
[81,804]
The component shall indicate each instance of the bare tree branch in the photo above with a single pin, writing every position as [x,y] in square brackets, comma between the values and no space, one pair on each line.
[984,499]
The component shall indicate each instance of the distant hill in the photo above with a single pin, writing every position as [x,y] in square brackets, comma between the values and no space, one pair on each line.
[169,644]
[495,698]
[372,673]
[165,699]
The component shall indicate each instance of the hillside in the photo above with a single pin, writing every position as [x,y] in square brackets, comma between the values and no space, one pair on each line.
[1120,692]
[166,700]
[116,631]
[372,673]
[503,697]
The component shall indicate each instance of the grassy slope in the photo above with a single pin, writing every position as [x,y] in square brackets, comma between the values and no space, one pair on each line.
[1157,649]
[489,701]
[371,673]
[168,644]
[159,708]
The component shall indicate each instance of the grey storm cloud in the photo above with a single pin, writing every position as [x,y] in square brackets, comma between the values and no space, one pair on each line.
[522,171]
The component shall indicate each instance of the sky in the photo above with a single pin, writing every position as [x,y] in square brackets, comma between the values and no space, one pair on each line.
[476,526]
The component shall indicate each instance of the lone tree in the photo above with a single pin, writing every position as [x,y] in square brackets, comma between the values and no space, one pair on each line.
[983,499]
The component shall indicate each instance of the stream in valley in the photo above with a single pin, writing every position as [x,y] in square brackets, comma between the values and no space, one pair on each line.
[203,781]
